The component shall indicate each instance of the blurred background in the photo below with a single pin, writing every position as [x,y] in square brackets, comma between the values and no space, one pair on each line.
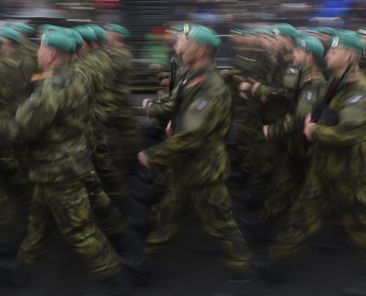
[147,20]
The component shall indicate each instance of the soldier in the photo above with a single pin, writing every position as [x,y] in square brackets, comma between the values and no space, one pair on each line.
[53,124]
[103,103]
[13,179]
[309,91]
[123,132]
[196,154]
[245,141]
[335,185]
[276,100]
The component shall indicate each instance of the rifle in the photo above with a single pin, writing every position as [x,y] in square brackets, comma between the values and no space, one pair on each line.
[173,74]
[328,97]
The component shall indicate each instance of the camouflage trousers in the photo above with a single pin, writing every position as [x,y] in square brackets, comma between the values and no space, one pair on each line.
[337,202]
[108,218]
[67,203]
[13,222]
[124,145]
[113,183]
[288,185]
[213,205]
[14,205]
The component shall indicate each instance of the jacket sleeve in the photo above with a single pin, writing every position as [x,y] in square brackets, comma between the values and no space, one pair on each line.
[204,119]
[351,126]
[37,113]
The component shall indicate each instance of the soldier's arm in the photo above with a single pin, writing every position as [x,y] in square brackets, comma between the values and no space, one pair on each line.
[161,109]
[288,125]
[37,113]
[198,125]
[273,92]
[281,128]
[351,126]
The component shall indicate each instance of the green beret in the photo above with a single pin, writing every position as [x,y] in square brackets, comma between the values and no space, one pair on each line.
[349,40]
[61,40]
[285,30]
[77,37]
[311,45]
[99,32]
[10,33]
[86,33]
[204,35]
[24,28]
[117,29]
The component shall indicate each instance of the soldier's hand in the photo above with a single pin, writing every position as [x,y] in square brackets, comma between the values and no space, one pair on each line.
[244,86]
[143,159]
[165,82]
[146,103]
[169,129]
[309,127]
[265,131]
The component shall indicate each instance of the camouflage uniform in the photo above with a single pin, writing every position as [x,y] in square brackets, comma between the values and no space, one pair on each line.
[28,63]
[113,183]
[122,128]
[245,141]
[335,186]
[14,182]
[293,170]
[197,149]
[53,124]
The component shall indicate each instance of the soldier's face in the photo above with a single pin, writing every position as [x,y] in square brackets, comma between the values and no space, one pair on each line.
[191,52]
[337,58]
[267,42]
[299,56]
[181,43]
[113,37]
[45,56]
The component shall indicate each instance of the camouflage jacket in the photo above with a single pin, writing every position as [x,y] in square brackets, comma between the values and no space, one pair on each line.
[312,86]
[119,109]
[339,150]
[12,93]
[53,122]
[196,153]
[26,53]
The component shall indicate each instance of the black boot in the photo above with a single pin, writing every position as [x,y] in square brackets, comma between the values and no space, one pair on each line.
[131,252]
[13,272]
[136,212]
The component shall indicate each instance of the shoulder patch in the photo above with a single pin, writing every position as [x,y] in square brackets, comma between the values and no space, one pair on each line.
[308,95]
[200,105]
[355,99]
